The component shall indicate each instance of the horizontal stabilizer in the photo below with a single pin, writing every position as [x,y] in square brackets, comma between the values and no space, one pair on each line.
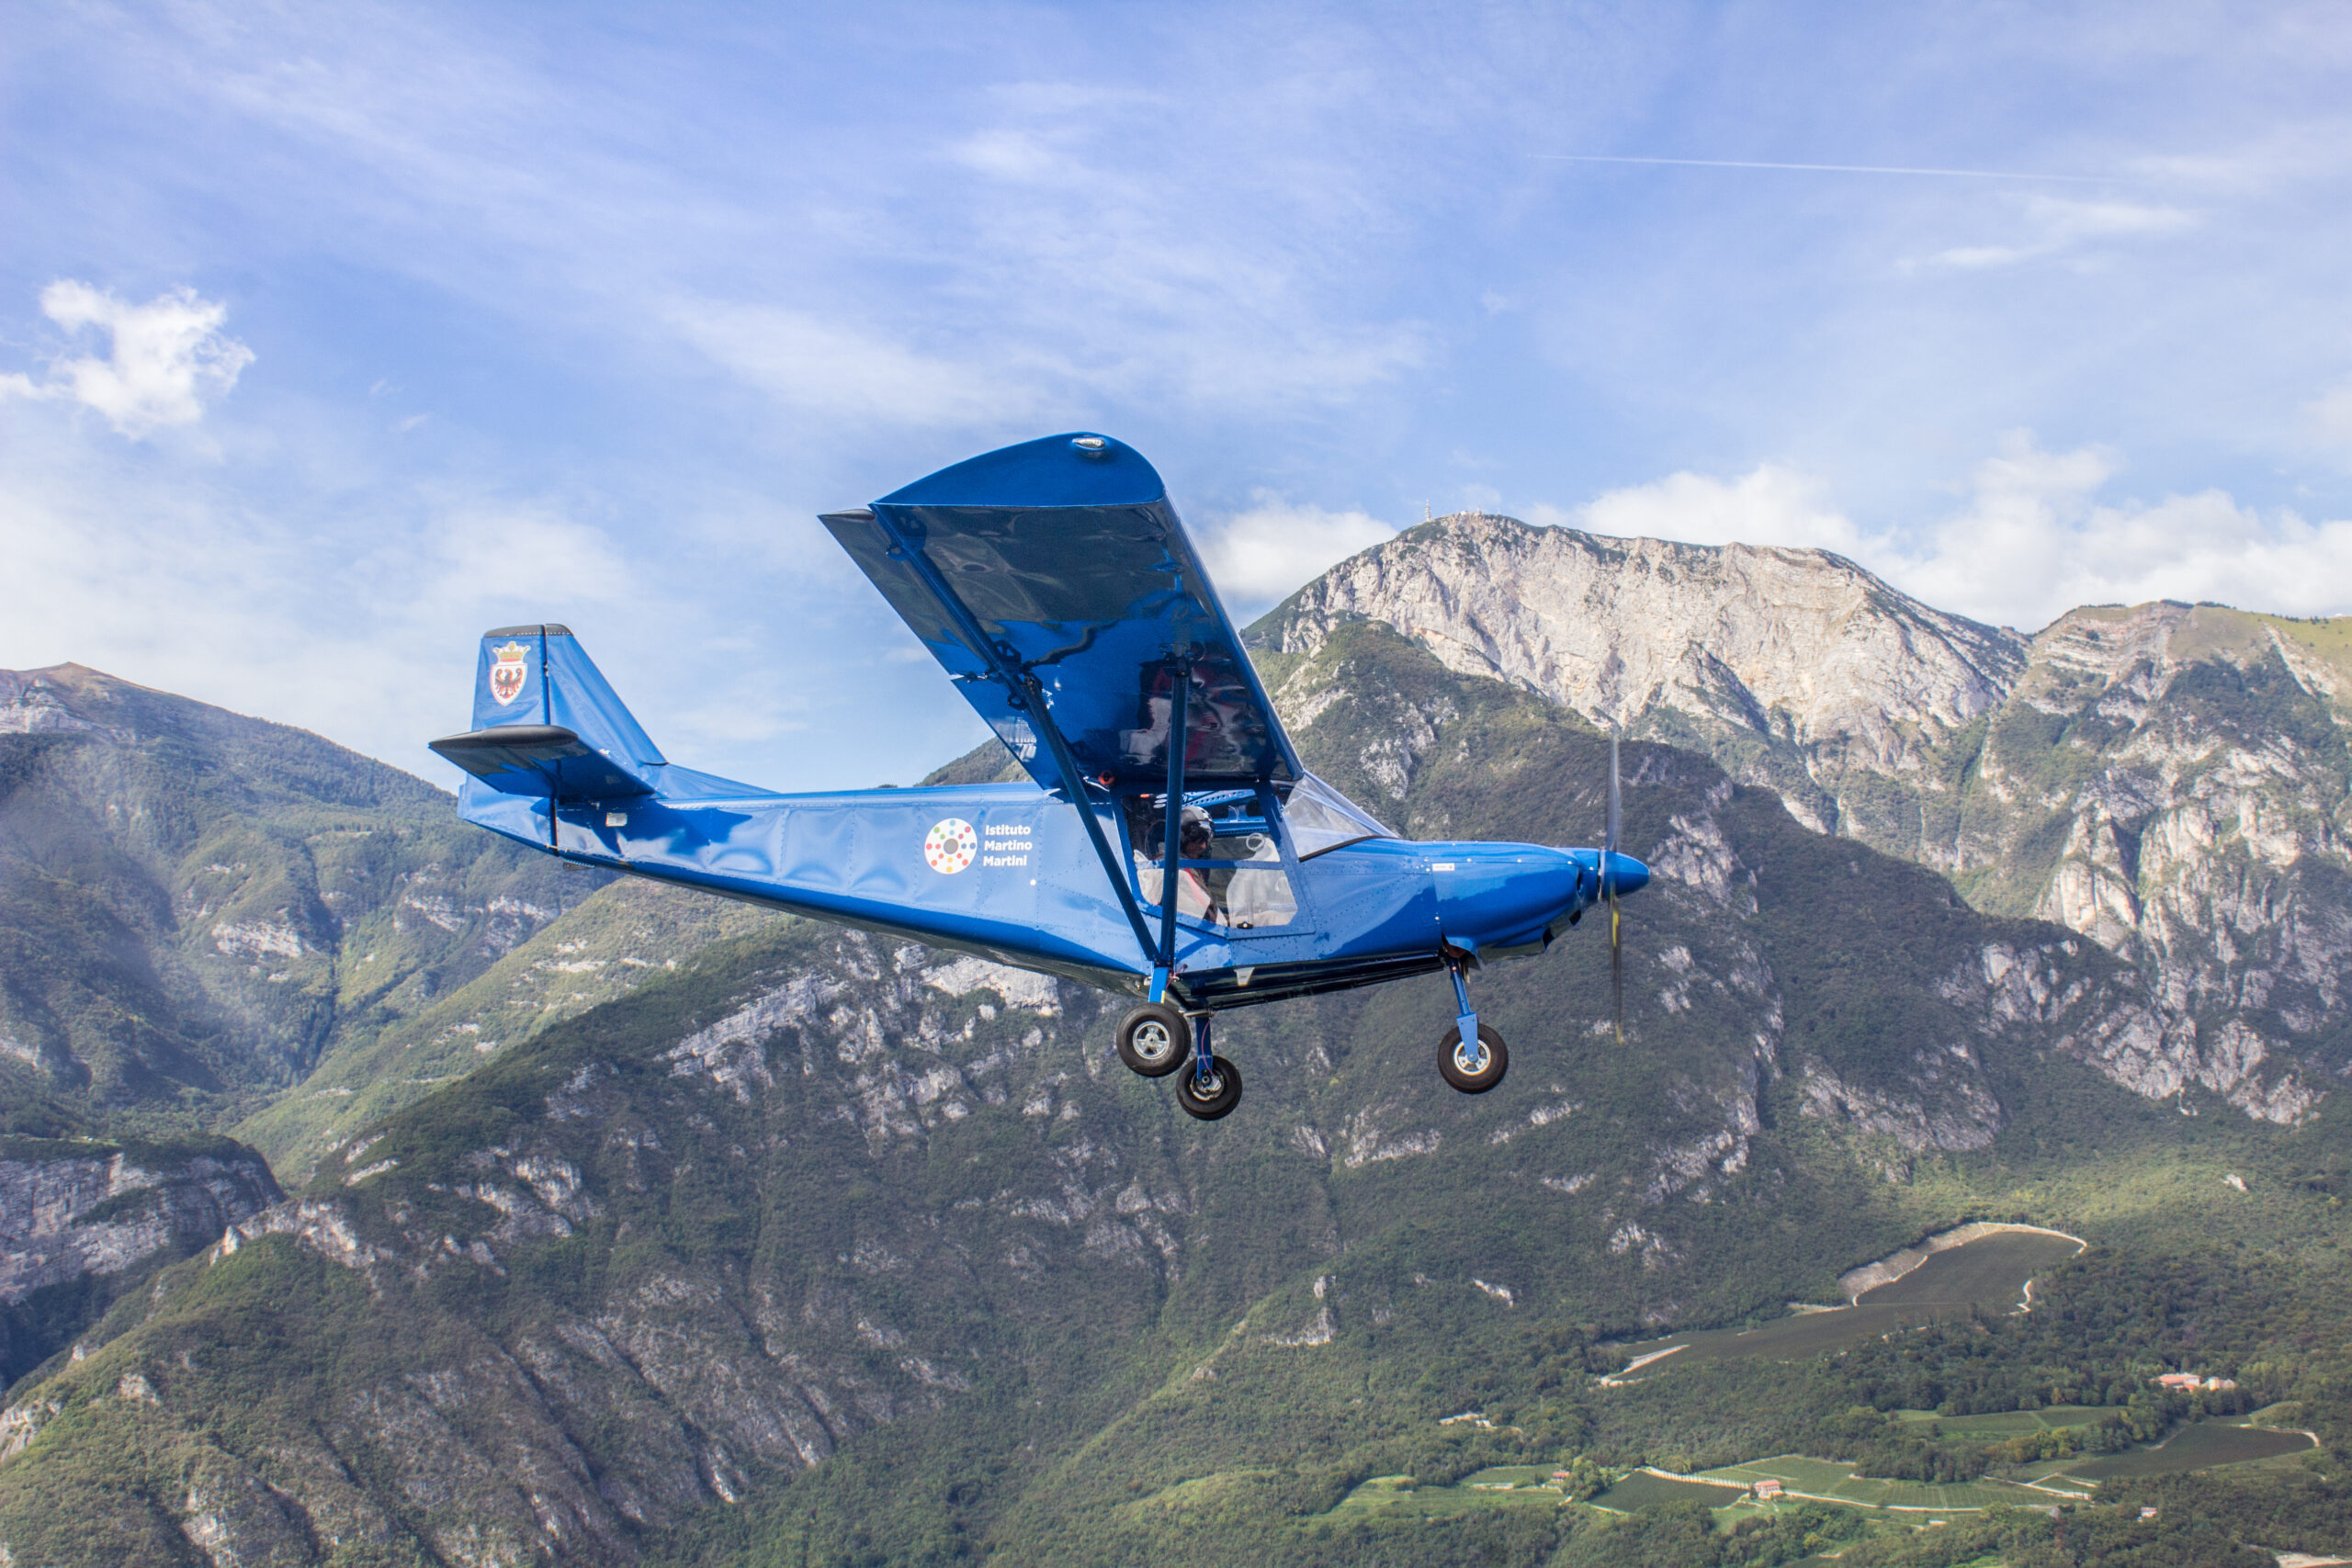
[540,759]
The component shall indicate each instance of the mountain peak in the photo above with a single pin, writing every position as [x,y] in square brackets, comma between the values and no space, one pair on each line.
[1790,644]
[2129,773]
[37,702]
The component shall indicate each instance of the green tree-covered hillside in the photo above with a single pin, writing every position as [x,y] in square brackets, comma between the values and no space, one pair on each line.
[823,1249]
[198,907]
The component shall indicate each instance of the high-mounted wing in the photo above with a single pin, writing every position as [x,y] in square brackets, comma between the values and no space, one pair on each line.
[1057,570]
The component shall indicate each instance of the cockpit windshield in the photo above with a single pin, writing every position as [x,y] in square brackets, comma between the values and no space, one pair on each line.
[1321,818]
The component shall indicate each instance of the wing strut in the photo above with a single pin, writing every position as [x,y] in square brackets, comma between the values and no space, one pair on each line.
[1025,691]
[1179,687]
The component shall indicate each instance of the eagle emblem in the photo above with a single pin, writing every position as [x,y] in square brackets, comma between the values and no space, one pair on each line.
[509,669]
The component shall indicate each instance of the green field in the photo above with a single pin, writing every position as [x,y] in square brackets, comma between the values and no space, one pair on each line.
[1988,1273]
[1828,1479]
[2197,1447]
[1646,1489]
[1514,1486]
[2009,1423]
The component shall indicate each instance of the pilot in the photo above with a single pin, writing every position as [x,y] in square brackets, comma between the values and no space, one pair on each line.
[1197,888]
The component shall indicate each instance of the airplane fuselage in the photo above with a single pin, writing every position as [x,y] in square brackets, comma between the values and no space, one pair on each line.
[1005,870]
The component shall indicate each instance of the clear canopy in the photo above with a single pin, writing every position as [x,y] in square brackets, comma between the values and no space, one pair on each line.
[1321,818]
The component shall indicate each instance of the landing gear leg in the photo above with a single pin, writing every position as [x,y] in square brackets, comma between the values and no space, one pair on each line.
[1212,1087]
[1472,1057]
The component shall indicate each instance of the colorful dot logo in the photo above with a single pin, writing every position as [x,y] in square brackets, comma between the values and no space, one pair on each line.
[950,846]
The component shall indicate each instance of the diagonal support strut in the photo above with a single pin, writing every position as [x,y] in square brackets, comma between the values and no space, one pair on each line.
[1028,695]
[1180,736]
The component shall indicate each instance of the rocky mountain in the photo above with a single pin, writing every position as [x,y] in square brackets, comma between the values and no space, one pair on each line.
[2172,781]
[81,1218]
[198,907]
[820,1247]
[597,950]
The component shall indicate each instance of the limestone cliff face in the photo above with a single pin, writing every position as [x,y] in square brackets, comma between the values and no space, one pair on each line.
[2170,780]
[1799,664]
[69,1209]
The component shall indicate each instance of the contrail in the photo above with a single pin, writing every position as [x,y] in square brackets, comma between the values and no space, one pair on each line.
[1818,168]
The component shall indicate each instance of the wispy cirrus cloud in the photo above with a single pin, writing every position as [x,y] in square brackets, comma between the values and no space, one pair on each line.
[2330,416]
[2047,227]
[831,368]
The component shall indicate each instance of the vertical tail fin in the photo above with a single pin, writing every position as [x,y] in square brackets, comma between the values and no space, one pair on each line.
[546,723]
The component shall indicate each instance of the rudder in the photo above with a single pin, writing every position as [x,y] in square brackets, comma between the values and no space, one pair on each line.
[548,723]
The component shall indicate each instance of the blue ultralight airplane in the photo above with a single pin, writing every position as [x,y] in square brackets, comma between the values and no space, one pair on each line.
[1053,583]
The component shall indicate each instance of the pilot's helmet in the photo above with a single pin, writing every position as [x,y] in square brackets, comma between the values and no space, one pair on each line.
[1198,831]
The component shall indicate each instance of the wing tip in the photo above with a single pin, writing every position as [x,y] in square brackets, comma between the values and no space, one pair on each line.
[1077,467]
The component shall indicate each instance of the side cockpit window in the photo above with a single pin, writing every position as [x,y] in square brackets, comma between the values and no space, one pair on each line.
[1229,869]
[1321,819]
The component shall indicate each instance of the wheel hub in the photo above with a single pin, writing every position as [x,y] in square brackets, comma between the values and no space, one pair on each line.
[1470,1056]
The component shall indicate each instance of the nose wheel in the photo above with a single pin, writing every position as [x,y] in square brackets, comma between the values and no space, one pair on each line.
[1474,1065]
[1472,1057]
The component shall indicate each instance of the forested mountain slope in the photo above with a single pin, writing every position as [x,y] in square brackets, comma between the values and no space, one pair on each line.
[822,1247]
[196,907]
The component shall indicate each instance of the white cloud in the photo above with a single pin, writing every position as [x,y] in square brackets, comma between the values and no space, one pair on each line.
[360,625]
[2032,540]
[166,356]
[1011,154]
[1771,506]
[1257,557]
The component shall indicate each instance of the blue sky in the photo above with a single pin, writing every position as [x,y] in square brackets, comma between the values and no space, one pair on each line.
[331,335]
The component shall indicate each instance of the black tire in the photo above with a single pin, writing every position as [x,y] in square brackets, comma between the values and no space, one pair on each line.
[1155,1039]
[1217,1097]
[1474,1078]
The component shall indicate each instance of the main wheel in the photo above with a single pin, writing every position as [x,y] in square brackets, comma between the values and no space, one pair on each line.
[1474,1070]
[1215,1098]
[1155,1039]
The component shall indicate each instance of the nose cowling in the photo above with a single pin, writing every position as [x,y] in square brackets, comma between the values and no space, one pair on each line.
[1504,897]
[1622,872]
